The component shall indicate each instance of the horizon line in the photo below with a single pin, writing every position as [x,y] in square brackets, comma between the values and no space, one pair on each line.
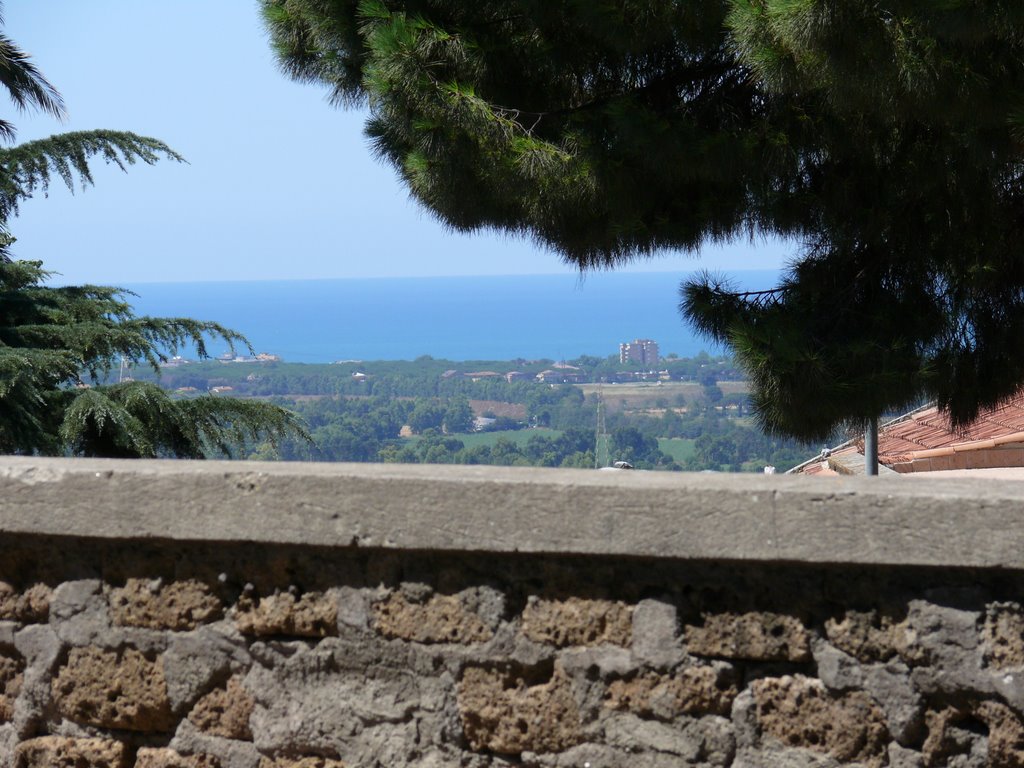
[578,276]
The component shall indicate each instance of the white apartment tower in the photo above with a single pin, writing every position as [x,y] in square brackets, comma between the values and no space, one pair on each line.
[643,351]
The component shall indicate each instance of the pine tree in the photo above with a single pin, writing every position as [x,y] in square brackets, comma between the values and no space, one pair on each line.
[882,138]
[55,342]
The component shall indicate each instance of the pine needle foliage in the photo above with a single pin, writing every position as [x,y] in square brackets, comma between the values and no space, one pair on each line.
[28,168]
[883,137]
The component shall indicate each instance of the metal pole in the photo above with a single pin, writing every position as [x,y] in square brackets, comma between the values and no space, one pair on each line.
[871,447]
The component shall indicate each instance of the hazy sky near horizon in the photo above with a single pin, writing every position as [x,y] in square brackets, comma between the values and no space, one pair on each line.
[278,185]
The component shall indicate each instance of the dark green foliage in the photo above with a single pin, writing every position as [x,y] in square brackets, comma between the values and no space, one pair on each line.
[53,338]
[630,444]
[458,417]
[883,138]
[428,414]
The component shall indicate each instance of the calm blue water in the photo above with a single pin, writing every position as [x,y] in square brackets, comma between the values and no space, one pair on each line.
[460,318]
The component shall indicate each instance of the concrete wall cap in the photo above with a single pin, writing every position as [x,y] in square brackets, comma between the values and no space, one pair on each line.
[775,518]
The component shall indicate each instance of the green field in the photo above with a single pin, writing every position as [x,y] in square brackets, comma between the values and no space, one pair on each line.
[679,448]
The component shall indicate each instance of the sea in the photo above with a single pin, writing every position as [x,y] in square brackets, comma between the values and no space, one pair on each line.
[559,316]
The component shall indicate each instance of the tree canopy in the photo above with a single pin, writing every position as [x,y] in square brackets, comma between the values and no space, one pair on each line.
[58,343]
[883,138]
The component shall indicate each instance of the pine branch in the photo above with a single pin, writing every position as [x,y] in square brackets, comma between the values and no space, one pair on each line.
[29,167]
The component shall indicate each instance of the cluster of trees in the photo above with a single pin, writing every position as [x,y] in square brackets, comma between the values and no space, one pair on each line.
[557,429]
[423,377]
[883,138]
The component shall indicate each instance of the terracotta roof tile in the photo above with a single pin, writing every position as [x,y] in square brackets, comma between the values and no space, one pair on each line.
[927,430]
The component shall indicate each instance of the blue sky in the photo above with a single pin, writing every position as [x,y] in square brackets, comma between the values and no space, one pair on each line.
[279,184]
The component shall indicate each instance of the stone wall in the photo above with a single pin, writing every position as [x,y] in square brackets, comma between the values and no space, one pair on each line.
[157,655]
[154,652]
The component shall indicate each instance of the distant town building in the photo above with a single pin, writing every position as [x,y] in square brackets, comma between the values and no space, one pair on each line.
[561,376]
[481,423]
[480,375]
[642,351]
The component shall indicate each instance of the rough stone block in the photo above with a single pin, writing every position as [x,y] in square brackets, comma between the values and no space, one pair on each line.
[194,661]
[775,756]
[440,619]
[169,758]
[225,712]
[313,615]
[901,757]
[800,712]
[31,606]
[189,740]
[656,640]
[353,608]
[744,720]
[489,603]
[707,741]
[1005,734]
[953,739]
[596,756]
[888,684]
[38,644]
[1003,636]
[866,635]
[113,689]
[301,762]
[78,612]
[40,647]
[578,621]
[62,752]
[691,691]
[502,713]
[343,690]
[150,603]
[943,647]
[836,669]
[631,734]
[937,635]
[756,636]
[12,668]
